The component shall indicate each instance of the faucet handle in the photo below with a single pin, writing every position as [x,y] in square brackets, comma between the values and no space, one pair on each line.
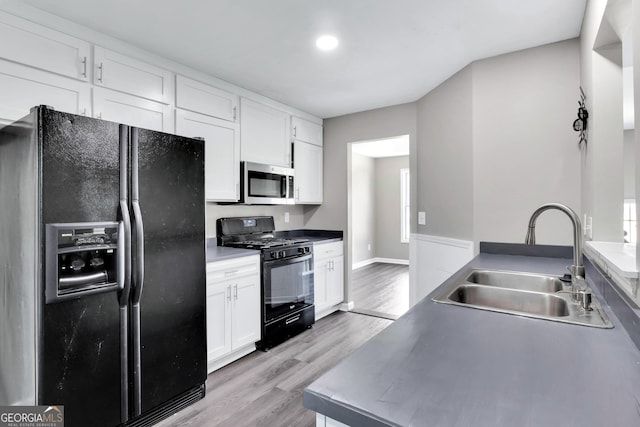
[584,298]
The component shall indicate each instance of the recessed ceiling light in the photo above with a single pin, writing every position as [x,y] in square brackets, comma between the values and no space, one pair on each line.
[327,42]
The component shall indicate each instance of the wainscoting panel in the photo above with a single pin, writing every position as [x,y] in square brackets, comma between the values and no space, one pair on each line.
[434,259]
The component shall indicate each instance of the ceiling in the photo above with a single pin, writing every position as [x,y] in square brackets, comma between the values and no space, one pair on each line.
[390,52]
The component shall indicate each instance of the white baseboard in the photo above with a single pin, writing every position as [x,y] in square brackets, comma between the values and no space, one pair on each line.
[379,259]
[347,306]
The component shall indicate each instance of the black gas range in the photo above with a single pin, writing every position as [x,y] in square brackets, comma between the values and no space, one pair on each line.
[286,279]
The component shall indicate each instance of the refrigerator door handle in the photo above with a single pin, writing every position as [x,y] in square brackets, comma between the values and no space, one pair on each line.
[137,219]
[138,276]
[124,268]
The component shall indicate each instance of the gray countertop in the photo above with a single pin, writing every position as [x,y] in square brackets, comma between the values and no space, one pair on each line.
[221,253]
[444,365]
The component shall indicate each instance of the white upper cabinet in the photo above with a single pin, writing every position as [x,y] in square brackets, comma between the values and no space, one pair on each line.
[306,131]
[264,134]
[37,46]
[125,74]
[131,110]
[221,153]
[24,87]
[307,162]
[204,99]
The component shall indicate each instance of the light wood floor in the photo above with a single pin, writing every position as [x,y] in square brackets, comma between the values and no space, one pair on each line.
[381,289]
[265,389]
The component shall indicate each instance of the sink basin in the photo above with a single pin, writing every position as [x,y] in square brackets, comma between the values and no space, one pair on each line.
[514,280]
[504,299]
[523,294]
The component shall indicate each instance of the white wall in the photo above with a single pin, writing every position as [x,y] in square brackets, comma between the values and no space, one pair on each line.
[364,207]
[629,155]
[388,209]
[601,79]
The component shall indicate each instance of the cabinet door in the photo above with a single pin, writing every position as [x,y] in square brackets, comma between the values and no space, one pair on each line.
[335,283]
[131,110]
[27,43]
[308,169]
[204,99]
[246,311]
[24,87]
[306,131]
[320,277]
[218,320]
[221,153]
[115,71]
[264,134]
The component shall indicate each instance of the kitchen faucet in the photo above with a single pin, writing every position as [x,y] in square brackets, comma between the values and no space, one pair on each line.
[578,285]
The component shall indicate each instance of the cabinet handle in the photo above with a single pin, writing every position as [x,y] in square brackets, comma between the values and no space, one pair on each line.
[235,291]
[84,67]
[297,194]
[100,69]
[295,131]
[230,272]
[234,113]
[229,293]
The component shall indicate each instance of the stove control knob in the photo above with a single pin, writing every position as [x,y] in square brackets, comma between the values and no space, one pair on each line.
[301,250]
[282,254]
[274,255]
[307,249]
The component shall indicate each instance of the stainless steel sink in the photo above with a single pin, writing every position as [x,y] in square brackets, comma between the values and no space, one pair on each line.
[524,294]
[503,299]
[514,280]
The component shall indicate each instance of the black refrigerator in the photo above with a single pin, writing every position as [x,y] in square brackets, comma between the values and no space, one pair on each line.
[102,269]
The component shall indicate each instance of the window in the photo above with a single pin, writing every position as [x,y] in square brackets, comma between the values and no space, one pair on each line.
[629,221]
[405,208]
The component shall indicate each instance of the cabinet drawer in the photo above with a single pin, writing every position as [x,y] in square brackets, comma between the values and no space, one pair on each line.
[115,71]
[230,269]
[204,99]
[27,43]
[327,250]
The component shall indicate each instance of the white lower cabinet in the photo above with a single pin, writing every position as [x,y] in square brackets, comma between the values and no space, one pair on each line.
[328,275]
[233,309]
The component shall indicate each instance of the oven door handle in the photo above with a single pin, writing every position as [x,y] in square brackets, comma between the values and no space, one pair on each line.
[289,260]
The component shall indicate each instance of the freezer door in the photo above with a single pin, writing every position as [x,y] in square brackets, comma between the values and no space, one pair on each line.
[169,271]
[79,357]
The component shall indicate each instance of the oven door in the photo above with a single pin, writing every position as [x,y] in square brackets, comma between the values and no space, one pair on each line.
[287,286]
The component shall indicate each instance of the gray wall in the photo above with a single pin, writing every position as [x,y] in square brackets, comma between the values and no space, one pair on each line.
[215,211]
[495,141]
[387,208]
[445,158]
[338,133]
[525,150]
[364,211]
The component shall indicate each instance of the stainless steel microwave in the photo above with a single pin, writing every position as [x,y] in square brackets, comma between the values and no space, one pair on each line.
[266,185]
